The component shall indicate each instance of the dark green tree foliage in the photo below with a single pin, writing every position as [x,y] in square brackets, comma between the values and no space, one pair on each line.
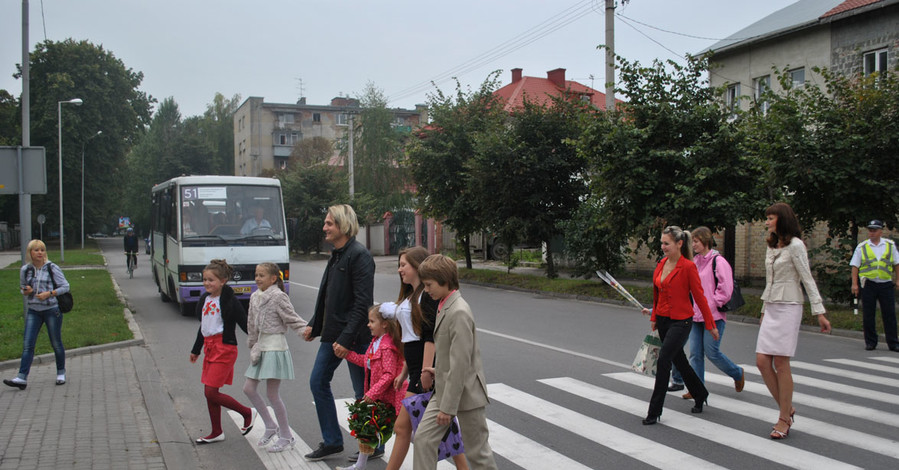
[529,175]
[669,155]
[10,118]
[113,104]
[832,153]
[440,156]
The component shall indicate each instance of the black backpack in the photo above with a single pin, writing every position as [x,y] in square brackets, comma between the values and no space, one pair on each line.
[736,297]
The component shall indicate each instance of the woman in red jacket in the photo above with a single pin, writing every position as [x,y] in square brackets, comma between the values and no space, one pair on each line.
[673,281]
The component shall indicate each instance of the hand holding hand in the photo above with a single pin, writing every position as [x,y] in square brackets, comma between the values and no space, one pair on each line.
[307,333]
[340,351]
[427,381]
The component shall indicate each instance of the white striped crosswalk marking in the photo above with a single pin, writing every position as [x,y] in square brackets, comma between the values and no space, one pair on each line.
[858,392]
[865,365]
[832,406]
[840,434]
[844,373]
[720,434]
[632,445]
[289,459]
[894,360]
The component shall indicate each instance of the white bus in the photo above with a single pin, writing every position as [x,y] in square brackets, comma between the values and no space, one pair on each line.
[195,219]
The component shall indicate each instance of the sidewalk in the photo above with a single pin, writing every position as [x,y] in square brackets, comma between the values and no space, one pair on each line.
[104,417]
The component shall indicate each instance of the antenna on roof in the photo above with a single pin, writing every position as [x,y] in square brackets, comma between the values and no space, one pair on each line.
[300,87]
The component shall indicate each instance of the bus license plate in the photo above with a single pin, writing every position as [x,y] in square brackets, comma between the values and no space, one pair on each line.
[242,290]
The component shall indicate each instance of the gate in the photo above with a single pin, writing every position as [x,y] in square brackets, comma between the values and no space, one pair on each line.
[402,230]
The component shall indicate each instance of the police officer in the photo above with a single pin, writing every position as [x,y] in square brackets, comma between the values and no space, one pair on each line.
[874,266]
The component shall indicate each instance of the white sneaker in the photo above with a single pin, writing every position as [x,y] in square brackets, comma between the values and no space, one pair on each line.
[60,379]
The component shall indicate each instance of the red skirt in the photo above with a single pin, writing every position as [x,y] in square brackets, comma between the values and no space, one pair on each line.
[218,362]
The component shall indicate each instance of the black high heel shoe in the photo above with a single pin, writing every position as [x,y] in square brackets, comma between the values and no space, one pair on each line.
[651,420]
[697,408]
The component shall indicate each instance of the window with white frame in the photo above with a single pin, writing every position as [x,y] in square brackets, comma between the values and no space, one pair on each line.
[732,97]
[294,138]
[342,119]
[875,61]
[762,85]
[282,139]
[797,76]
[285,119]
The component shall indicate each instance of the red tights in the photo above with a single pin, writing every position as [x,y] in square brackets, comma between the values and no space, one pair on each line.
[215,400]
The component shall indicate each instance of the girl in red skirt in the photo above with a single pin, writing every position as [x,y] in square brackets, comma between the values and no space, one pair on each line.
[220,312]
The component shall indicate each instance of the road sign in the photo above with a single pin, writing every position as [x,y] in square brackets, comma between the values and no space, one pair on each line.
[34,161]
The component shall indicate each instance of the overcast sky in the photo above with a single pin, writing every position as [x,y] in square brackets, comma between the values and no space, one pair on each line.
[284,49]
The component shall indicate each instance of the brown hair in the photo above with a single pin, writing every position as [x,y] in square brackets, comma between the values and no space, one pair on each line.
[704,235]
[272,269]
[679,235]
[220,269]
[441,269]
[787,226]
[414,256]
[393,328]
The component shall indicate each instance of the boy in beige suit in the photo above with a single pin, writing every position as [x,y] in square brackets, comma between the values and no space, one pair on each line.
[460,388]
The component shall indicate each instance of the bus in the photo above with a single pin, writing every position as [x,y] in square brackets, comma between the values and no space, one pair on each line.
[195,219]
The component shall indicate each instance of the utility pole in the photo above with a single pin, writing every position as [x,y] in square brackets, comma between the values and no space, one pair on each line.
[610,55]
[25,199]
[352,120]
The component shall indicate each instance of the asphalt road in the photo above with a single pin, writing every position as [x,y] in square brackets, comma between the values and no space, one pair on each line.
[562,392]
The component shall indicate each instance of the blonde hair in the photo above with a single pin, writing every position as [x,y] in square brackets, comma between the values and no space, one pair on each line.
[272,269]
[345,218]
[32,245]
[679,235]
[220,269]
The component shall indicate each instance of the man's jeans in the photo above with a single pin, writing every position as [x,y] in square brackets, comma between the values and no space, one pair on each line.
[320,384]
[34,319]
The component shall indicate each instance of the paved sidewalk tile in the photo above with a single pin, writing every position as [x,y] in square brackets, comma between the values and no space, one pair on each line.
[97,420]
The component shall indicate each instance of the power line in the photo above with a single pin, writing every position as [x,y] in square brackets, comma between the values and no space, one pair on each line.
[675,32]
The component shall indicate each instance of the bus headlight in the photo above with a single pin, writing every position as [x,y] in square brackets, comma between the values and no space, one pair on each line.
[192,277]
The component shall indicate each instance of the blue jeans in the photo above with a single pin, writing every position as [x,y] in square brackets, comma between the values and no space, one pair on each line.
[34,319]
[702,343]
[320,384]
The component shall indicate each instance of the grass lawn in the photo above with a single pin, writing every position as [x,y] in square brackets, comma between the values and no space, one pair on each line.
[96,319]
[89,256]
[840,316]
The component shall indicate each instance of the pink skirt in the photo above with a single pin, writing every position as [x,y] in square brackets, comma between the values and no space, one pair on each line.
[218,362]
[779,331]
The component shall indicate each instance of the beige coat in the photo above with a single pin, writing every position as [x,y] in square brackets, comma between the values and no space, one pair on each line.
[785,270]
[459,375]
[271,313]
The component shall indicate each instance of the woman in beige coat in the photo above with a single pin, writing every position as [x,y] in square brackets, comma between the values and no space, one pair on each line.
[786,266]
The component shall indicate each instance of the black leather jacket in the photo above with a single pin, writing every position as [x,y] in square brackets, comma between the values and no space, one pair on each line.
[345,295]
[233,314]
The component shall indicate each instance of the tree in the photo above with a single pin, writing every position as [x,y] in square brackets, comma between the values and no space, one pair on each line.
[440,156]
[529,176]
[669,155]
[217,128]
[113,104]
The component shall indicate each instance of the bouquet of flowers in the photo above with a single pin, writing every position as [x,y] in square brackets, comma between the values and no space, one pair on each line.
[371,423]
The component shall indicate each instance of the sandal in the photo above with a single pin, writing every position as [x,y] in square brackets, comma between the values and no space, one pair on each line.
[778,435]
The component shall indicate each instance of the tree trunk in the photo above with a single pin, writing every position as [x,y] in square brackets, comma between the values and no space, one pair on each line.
[730,246]
[550,264]
[466,244]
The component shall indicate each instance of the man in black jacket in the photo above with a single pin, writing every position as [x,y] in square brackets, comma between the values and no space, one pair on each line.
[341,319]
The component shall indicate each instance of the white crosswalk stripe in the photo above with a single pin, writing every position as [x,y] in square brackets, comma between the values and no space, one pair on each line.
[289,459]
[843,388]
[848,374]
[892,359]
[865,365]
[633,445]
[839,434]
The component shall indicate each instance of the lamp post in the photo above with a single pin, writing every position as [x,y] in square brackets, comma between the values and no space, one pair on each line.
[77,102]
[82,185]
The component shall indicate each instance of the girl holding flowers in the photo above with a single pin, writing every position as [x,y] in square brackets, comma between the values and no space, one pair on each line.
[383,363]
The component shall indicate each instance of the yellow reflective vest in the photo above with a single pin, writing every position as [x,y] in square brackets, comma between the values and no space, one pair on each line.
[873,268]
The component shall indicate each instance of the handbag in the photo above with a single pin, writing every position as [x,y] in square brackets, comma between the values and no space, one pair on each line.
[646,361]
[451,444]
[65,302]
[736,297]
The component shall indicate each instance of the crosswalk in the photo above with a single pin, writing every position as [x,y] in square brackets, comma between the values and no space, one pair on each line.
[835,420]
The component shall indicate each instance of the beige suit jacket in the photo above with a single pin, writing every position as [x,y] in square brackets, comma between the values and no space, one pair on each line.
[459,384]
[786,271]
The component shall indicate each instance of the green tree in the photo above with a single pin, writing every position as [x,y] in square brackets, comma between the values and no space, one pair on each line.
[10,129]
[529,176]
[669,155]
[440,156]
[113,104]
[217,128]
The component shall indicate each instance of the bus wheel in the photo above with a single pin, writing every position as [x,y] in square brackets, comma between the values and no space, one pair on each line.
[188,308]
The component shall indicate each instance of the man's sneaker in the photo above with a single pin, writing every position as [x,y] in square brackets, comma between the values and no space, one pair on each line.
[16,382]
[322,452]
[378,454]
[675,387]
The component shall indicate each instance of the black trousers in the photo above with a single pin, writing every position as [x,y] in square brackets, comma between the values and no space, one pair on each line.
[885,293]
[674,334]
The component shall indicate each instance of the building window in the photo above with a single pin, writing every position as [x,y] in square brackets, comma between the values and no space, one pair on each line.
[316,117]
[285,119]
[732,97]
[294,138]
[283,164]
[762,85]
[342,119]
[798,77]
[875,61]
[282,139]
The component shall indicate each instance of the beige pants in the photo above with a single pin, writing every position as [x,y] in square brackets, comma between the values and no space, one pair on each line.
[474,437]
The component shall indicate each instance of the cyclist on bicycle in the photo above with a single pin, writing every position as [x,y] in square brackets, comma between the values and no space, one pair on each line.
[131,246]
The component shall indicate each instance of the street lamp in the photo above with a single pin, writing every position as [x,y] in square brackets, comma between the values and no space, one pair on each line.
[77,102]
[82,185]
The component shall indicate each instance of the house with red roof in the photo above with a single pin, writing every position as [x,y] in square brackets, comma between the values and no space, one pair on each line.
[541,90]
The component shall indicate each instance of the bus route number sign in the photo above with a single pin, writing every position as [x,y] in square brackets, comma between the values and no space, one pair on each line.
[190,193]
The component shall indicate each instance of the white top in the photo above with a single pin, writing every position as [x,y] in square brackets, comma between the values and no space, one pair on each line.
[211,322]
[251,224]
[403,314]
[878,250]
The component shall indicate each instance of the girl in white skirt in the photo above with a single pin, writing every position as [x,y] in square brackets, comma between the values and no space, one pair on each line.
[786,266]
[270,314]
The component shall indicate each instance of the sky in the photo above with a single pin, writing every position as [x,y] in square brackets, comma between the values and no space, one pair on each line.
[284,49]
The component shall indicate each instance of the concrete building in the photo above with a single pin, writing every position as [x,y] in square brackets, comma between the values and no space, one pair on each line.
[265,133]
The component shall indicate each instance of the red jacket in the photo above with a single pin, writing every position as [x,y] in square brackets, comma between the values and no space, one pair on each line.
[386,365]
[671,297]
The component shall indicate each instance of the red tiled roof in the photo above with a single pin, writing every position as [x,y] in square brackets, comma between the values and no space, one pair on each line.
[539,90]
[848,5]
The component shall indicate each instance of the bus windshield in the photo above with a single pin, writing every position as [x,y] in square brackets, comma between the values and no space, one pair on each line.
[231,213]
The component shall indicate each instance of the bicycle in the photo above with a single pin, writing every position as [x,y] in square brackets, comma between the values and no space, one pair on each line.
[131,261]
